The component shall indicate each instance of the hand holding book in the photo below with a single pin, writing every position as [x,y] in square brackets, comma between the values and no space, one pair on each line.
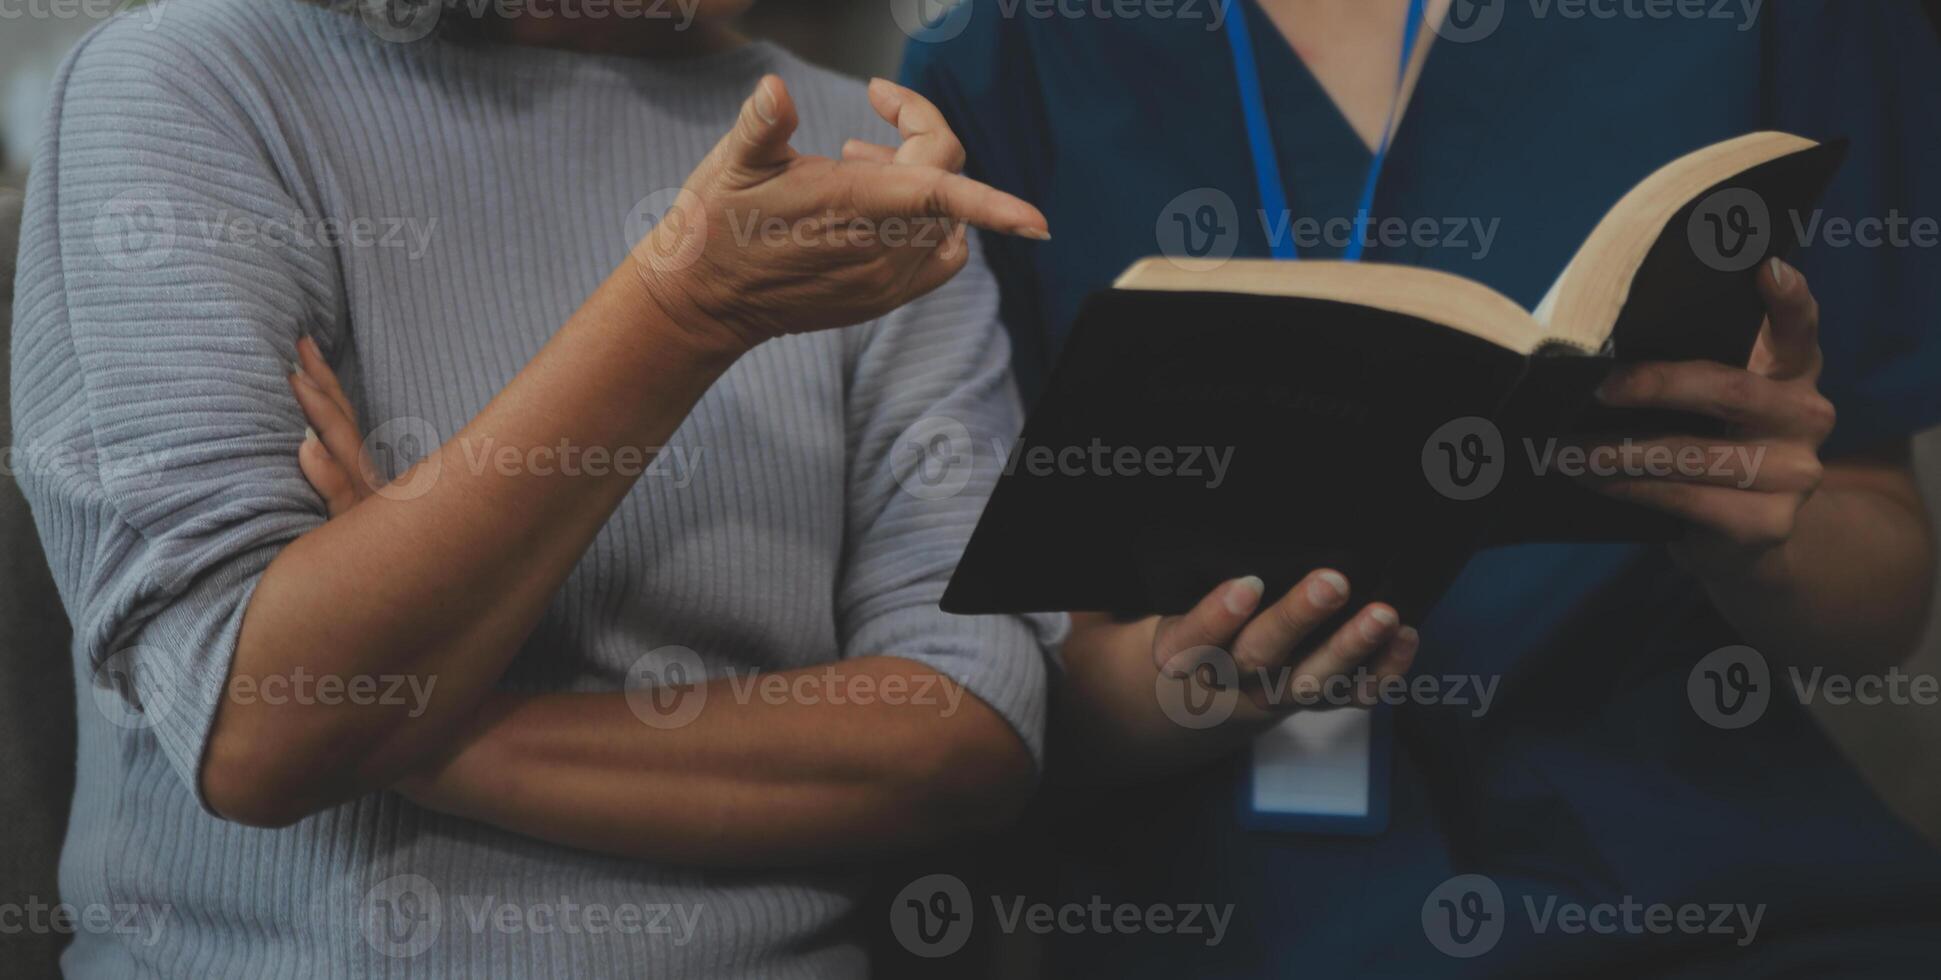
[1276,656]
[1743,497]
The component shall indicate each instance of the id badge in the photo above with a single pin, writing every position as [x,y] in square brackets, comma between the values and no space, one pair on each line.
[1321,772]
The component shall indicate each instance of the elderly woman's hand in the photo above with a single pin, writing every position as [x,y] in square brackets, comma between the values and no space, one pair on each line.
[763,241]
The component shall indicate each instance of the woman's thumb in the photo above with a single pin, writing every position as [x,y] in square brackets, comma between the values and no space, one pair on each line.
[761,135]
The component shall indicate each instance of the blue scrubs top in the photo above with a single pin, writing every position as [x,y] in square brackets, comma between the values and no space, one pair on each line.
[1591,782]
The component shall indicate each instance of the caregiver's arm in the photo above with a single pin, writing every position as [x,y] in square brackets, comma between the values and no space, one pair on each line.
[1816,563]
[446,580]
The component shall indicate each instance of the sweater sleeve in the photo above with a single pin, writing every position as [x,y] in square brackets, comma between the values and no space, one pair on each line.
[159,302]
[933,409]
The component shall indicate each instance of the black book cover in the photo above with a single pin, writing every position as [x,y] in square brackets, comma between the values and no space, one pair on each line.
[1383,445]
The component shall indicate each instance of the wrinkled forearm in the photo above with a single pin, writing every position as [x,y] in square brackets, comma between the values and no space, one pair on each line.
[446,583]
[753,779]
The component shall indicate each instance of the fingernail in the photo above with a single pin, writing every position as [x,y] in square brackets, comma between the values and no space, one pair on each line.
[296,369]
[1410,641]
[309,434]
[1243,594]
[1782,276]
[764,102]
[884,88]
[1607,388]
[1328,589]
[1035,234]
[1378,622]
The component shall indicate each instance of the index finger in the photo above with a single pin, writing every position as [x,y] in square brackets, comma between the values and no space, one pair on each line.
[1182,641]
[1792,335]
[927,138]
[1273,636]
[900,190]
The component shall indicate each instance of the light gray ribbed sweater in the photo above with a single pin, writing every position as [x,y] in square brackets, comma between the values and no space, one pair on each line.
[220,176]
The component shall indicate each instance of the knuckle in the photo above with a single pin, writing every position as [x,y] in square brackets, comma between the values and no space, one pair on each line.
[1644,381]
[1821,415]
[1734,393]
[1293,614]
[1812,474]
[1772,522]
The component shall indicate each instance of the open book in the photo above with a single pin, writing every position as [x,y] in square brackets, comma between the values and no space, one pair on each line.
[1214,419]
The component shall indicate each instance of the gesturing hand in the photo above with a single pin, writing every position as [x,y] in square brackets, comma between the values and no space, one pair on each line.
[1261,647]
[1745,490]
[764,241]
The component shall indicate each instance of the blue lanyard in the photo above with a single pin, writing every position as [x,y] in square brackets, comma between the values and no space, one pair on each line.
[1260,139]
